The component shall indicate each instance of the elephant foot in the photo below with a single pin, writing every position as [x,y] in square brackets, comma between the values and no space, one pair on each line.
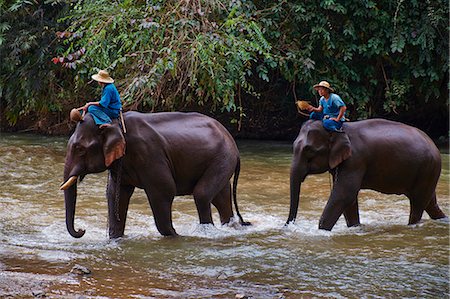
[443,219]
[116,232]
[354,225]
[325,226]
[115,236]
[236,224]
[168,232]
[174,235]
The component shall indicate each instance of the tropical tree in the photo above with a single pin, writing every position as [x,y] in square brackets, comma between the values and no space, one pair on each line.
[27,40]
[386,58]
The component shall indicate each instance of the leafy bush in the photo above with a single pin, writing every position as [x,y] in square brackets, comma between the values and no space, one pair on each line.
[170,53]
[27,80]
[383,57]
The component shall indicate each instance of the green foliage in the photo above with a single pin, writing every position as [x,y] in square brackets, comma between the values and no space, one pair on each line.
[171,53]
[26,38]
[382,56]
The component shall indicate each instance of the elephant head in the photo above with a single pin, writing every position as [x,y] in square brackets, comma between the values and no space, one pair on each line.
[89,150]
[315,151]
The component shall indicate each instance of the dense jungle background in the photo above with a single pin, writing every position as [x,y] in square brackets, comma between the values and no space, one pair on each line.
[244,62]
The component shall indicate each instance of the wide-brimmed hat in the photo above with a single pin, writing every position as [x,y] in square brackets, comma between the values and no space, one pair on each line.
[103,76]
[324,84]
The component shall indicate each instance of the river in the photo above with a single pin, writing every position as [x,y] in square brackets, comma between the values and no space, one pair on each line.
[383,258]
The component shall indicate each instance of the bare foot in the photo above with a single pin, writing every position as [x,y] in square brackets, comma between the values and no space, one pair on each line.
[104,126]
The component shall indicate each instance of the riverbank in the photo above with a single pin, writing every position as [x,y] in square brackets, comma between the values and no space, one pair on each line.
[273,126]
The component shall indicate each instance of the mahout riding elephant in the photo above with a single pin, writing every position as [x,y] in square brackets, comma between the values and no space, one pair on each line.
[382,155]
[166,154]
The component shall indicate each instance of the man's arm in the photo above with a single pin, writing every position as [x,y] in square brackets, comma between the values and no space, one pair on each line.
[85,107]
[314,109]
[342,110]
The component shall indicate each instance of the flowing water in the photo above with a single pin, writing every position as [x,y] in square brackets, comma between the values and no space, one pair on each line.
[383,258]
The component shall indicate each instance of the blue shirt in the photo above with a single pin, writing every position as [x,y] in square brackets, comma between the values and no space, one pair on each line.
[110,97]
[332,106]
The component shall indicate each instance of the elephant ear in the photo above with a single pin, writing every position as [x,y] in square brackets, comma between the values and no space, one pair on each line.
[340,149]
[113,144]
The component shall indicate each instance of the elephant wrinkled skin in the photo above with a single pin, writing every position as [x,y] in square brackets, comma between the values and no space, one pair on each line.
[377,154]
[166,154]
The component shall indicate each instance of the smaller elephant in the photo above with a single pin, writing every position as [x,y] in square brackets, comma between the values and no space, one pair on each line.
[385,156]
[166,154]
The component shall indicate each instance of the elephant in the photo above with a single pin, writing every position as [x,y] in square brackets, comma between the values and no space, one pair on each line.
[377,154]
[166,154]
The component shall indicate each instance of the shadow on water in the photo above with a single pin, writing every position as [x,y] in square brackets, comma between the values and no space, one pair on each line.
[382,258]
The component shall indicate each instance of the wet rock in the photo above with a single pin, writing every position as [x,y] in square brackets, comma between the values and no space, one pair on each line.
[241,296]
[80,270]
[222,276]
[38,294]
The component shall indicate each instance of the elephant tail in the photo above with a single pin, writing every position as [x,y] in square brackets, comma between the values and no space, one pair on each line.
[235,182]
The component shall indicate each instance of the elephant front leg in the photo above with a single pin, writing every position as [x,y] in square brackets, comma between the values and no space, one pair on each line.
[351,214]
[117,209]
[343,199]
[161,205]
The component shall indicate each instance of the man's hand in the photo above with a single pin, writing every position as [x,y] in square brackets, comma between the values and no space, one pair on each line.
[85,107]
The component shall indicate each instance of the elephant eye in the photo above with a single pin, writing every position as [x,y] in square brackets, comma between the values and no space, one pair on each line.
[80,150]
[309,151]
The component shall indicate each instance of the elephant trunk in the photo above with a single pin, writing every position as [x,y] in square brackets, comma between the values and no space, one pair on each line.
[297,176]
[70,199]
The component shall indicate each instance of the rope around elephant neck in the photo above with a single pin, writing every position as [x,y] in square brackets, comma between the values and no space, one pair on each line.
[117,184]
[335,176]
[117,181]
[334,179]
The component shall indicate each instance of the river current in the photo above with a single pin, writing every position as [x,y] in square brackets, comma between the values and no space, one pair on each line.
[383,258]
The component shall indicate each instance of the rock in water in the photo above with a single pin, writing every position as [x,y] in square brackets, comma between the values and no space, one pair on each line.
[80,270]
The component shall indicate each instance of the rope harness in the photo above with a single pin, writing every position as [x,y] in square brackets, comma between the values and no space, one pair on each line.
[334,179]
[117,183]
[335,175]
[122,122]
[118,170]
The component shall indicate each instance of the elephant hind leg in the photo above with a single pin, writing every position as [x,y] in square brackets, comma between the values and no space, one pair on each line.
[415,214]
[433,209]
[212,182]
[202,199]
[424,201]
[222,202]
[417,207]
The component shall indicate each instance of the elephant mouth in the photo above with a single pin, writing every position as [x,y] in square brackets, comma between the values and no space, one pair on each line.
[72,180]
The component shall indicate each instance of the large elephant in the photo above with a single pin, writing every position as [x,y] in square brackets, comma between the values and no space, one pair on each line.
[377,154]
[166,154]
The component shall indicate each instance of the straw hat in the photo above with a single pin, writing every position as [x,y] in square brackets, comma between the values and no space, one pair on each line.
[103,76]
[324,84]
